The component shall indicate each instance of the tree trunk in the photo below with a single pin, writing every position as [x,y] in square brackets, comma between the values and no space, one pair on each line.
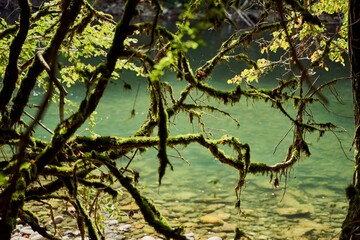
[351,224]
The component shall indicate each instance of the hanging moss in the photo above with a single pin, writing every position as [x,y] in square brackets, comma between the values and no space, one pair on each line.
[100,186]
[261,168]
[162,134]
[93,234]
[226,96]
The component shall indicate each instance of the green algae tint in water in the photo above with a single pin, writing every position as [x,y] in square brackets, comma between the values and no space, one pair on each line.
[313,205]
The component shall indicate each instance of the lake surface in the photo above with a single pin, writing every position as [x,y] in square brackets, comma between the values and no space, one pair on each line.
[200,185]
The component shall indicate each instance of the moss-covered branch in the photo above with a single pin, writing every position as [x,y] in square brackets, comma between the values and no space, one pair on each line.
[147,208]
[16,190]
[30,218]
[214,146]
[39,192]
[162,134]
[93,234]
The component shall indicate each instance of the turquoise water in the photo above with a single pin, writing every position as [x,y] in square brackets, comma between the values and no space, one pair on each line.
[199,180]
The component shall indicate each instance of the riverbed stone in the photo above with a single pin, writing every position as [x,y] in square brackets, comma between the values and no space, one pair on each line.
[148,230]
[72,233]
[321,191]
[228,227]
[36,236]
[215,238]
[71,211]
[213,207]
[247,212]
[129,207]
[148,238]
[27,230]
[138,225]
[183,195]
[211,219]
[125,227]
[304,227]
[57,219]
[113,222]
[290,201]
[19,238]
[224,216]
[300,211]
[189,225]
[190,236]
[183,209]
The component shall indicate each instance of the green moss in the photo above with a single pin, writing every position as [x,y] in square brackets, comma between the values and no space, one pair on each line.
[93,234]
[147,208]
[259,168]
[226,96]
[18,196]
[30,218]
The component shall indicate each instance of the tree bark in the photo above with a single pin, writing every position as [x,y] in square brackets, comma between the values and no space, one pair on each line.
[350,227]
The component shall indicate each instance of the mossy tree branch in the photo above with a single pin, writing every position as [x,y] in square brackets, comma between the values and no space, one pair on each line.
[30,218]
[148,209]
[16,189]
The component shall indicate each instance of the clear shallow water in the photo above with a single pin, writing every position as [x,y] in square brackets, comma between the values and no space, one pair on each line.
[317,181]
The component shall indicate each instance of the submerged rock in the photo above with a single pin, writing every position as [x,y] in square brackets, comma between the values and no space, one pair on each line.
[190,236]
[215,238]
[27,230]
[113,222]
[300,211]
[228,227]
[211,219]
[148,238]
[305,228]
[125,227]
[37,236]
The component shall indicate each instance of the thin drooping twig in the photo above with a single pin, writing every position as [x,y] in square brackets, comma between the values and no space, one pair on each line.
[51,215]
[40,123]
[57,83]
[304,73]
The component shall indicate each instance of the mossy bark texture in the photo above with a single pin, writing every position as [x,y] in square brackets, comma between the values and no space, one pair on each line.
[351,225]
